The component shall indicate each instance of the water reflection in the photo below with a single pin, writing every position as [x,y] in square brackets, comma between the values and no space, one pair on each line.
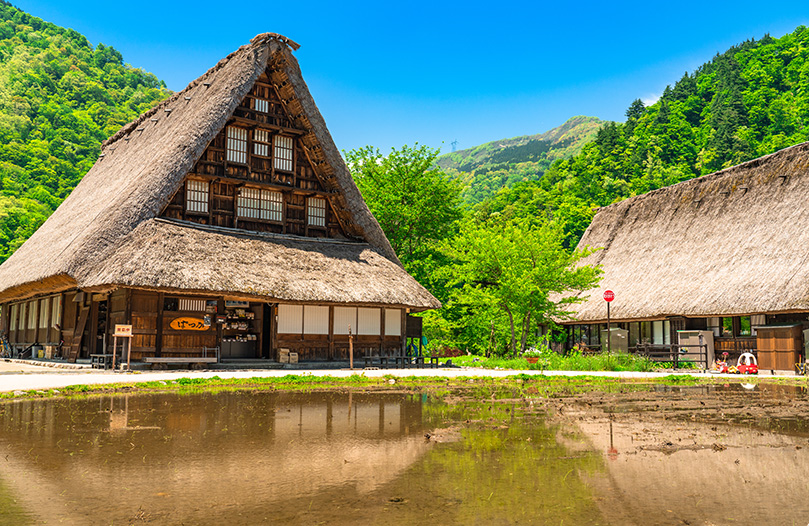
[362,458]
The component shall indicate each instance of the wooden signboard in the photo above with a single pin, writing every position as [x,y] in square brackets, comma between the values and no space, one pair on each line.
[124,331]
[189,324]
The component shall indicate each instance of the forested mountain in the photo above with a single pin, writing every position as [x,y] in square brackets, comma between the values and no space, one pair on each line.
[749,101]
[60,97]
[485,169]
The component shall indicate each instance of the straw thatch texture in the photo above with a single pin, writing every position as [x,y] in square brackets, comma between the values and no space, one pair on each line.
[177,255]
[144,164]
[731,243]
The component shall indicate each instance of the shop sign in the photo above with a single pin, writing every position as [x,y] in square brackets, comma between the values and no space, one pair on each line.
[189,324]
[123,330]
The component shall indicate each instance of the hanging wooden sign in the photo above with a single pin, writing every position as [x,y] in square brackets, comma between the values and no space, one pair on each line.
[189,324]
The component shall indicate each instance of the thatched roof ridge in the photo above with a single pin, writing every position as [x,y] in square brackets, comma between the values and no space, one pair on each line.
[725,244]
[144,164]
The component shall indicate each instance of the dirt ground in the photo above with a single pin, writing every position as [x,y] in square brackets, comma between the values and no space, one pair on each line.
[17,367]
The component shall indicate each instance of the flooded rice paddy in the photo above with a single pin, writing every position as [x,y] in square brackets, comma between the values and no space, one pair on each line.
[647,455]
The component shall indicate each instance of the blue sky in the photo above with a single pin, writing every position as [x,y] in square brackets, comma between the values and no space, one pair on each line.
[388,74]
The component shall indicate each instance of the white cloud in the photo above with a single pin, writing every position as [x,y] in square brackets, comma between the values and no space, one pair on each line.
[648,100]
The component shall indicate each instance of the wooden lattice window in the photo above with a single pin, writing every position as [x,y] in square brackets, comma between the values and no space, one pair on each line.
[44,312]
[283,153]
[261,143]
[190,305]
[261,105]
[196,196]
[237,145]
[316,211]
[255,203]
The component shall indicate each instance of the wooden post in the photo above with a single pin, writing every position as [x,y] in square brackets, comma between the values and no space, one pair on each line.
[350,348]
[128,354]
[114,351]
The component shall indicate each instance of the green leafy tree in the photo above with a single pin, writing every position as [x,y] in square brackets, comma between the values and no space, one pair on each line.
[519,267]
[416,204]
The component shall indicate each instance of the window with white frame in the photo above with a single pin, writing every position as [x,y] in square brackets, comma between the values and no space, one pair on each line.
[261,143]
[196,196]
[282,153]
[316,211]
[256,203]
[262,105]
[237,145]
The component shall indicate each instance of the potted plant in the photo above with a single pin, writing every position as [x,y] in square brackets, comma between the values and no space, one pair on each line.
[532,355]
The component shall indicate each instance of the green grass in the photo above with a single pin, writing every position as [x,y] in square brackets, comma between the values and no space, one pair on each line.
[552,361]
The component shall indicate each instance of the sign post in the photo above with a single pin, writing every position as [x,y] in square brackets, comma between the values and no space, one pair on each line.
[608,297]
[125,332]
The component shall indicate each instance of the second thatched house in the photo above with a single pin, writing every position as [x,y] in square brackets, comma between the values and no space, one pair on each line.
[726,253]
[223,217]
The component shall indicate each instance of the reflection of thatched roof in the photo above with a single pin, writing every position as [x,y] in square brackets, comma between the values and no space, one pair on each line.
[730,243]
[145,162]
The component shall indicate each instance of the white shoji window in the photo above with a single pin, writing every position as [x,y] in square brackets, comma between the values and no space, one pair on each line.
[316,211]
[12,319]
[393,322]
[21,318]
[261,105]
[237,145]
[343,318]
[44,312]
[196,196]
[32,310]
[283,153]
[290,319]
[315,320]
[186,304]
[56,311]
[261,143]
[255,203]
[368,321]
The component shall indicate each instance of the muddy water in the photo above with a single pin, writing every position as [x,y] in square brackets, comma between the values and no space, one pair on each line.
[658,456]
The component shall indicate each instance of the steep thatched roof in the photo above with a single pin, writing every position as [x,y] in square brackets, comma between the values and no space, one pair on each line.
[731,243]
[144,164]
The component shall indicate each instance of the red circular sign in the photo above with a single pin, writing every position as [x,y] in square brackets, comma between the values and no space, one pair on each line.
[609,295]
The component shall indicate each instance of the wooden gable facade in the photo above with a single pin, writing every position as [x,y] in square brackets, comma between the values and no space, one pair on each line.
[256,175]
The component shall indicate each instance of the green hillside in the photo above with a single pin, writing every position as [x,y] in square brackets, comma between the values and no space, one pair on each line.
[60,97]
[485,169]
[749,101]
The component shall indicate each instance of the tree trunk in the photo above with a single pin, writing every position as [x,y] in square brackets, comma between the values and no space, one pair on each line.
[525,328]
[513,335]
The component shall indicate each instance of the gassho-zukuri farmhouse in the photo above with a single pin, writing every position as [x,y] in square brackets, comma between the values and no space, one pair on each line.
[725,256]
[223,217]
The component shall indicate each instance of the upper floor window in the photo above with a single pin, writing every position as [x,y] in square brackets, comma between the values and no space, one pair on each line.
[255,203]
[196,196]
[283,153]
[261,143]
[237,145]
[316,211]
[261,105]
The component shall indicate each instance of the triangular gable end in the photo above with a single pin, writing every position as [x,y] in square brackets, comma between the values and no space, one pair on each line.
[244,162]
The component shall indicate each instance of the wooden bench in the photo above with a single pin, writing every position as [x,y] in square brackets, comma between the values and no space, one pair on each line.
[195,362]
